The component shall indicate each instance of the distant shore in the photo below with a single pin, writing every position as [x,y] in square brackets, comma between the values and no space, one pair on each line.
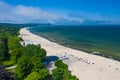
[85,66]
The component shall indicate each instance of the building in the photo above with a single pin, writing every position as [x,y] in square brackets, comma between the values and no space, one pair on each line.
[29,42]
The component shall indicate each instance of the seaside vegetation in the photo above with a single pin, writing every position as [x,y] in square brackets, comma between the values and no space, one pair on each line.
[30,63]
[61,72]
[28,59]
[9,44]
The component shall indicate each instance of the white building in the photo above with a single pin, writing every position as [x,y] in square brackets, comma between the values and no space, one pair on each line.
[30,42]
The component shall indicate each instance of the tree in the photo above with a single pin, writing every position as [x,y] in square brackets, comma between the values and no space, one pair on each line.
[33,76]
[4,46]
[58,74]
[61,72]
[43,74]
[24,67]
[15,51]
[31,61]
[73,78]
[60,64]
[2,52]
[34,50]
[37,64]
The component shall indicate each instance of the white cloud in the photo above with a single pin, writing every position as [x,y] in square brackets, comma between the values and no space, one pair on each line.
[24,14]
[34,12]
[30,14]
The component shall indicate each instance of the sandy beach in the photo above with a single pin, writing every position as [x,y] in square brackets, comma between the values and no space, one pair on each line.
[81,64]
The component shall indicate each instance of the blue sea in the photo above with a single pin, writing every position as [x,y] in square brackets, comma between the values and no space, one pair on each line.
[95,38]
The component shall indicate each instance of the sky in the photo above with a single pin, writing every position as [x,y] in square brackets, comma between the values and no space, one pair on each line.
[60,11]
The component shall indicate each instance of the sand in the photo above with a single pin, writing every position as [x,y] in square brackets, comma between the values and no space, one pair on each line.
[83,65]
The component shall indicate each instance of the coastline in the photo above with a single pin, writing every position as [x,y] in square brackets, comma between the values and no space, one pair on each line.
[100,68]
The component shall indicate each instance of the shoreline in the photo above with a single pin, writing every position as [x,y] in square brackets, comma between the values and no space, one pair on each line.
[100,68]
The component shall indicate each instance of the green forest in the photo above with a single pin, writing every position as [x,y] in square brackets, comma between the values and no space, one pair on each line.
[27,59]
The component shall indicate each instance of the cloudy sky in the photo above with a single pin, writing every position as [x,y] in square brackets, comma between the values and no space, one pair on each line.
[60,11]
